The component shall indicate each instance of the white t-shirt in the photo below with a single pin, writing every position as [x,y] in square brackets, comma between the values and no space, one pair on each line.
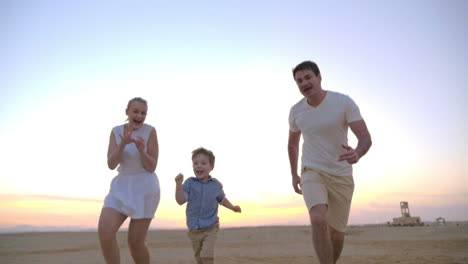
[324,129]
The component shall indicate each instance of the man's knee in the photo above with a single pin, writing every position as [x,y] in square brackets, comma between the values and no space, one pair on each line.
[336,235]
[318,214]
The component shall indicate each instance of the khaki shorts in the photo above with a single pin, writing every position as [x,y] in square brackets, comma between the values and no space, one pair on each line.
[203,241]
[319,187]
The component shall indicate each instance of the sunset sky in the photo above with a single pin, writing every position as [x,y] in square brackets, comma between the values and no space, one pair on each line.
[217,74]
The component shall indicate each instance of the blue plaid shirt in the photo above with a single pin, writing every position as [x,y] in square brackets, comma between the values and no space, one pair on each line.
[202,202]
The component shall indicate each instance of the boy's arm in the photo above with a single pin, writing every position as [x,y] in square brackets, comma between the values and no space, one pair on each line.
[179,193]
[226,203]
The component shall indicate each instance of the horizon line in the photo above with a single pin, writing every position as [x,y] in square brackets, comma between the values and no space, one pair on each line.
[65,229]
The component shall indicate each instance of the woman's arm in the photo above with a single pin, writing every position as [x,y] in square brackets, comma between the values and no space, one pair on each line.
[114,152]
[149,158]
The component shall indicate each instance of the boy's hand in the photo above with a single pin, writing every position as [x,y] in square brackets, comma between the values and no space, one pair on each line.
[236,209]
[179,178]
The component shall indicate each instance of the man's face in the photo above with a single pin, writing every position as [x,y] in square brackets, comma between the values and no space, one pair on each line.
[309,84]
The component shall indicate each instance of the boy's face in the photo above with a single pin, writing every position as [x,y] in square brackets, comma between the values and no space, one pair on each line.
[202,167]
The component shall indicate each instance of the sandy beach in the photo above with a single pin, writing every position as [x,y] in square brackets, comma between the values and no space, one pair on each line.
[284,244]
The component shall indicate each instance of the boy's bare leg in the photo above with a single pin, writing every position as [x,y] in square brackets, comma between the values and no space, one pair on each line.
[207,260]
[109,223]
[320,234]
[337,239]
[196,247]
[137,230]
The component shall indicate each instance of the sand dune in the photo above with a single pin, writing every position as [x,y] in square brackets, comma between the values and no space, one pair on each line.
[291,245]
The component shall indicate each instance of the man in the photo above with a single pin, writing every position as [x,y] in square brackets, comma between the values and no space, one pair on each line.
[322,117]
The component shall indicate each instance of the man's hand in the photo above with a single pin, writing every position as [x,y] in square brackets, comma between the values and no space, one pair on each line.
[296,182]
[350,156]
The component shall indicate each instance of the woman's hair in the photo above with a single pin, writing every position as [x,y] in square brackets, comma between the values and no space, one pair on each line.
[136,99]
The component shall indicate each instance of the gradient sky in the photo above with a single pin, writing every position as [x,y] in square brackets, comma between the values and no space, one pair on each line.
[218,75]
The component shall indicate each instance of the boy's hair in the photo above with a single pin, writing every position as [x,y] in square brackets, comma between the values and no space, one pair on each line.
[205,152]
[306,65]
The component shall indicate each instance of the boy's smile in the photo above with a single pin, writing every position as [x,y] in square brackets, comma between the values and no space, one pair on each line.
[202,167]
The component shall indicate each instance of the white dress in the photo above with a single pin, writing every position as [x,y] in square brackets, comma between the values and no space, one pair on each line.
[134,191]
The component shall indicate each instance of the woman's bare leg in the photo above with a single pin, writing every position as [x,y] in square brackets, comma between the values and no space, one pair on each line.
[109,223]
[137,231]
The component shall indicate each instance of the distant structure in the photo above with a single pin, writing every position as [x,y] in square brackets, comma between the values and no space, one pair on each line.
[406,219]
[440,220]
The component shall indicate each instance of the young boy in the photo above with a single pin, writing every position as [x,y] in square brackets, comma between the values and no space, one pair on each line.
[202,194]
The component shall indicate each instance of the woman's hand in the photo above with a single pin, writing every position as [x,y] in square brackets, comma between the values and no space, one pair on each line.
[127,135]
[140,144]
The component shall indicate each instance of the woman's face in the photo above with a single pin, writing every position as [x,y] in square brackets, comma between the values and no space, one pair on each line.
[136,114]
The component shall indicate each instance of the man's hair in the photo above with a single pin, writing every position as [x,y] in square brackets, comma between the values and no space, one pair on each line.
[306,65]
[205,152]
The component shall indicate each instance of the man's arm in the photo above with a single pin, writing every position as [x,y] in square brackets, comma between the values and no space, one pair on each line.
[359,129]
[363,136]
[293,152]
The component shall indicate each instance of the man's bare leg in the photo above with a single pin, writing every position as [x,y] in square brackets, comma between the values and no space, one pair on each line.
[207,260]
[320,234]
[337,239]
[199,260]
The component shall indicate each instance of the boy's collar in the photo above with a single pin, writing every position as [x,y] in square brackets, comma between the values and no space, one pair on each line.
[209,178]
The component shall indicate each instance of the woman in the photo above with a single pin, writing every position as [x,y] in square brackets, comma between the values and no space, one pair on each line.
[135,190]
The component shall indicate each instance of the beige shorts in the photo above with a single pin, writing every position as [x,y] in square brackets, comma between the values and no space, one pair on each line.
[203,241]
[319,187]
